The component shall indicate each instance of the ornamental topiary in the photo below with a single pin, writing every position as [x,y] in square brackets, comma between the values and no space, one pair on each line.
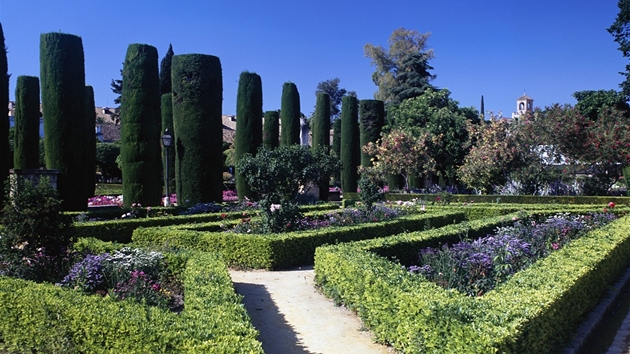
[350,153]
[290,115]
[26,140]
[321,135]
[248,136]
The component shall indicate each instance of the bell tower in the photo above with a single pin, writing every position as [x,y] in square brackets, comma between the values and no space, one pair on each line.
[524,104]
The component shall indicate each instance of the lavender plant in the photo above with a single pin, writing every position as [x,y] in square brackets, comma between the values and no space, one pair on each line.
[87,275]
[475,267]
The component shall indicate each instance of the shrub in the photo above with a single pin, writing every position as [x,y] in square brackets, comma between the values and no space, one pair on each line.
[36,235]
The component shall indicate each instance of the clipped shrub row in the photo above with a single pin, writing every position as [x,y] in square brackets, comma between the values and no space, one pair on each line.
[274,251]
[120,230]
[47,318]
[516,199]
[536,311]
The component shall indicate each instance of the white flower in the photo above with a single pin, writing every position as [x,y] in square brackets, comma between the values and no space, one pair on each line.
[274,207]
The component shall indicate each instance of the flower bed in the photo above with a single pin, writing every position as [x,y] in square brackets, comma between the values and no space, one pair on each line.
[47,318]
[535,311]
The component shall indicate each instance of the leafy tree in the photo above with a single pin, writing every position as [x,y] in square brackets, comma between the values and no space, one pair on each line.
[412,77]
[331,87]
[106,154]
[405,46]
[116,85]
[140,150]
[277,175]
[165,71]
[619,30]
[271,129]
[436,114]
[290,115]
[248,124]
[26,140]
[197,95]
[592,103]
[401,153]
[62,75]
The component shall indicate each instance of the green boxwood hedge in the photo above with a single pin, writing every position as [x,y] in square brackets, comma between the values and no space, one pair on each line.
[46,318]
[275,251]
[517,199]
[536,311]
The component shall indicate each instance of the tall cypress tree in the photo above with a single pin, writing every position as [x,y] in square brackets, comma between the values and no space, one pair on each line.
[271,129]
[197,96]
[336,147]
[62,74]
[26,140]
[482,110]
[167,123]
[5,150]
[350,153]
[248,125]
[165,71]
[90,134]
[321,133]
[372,119]
[140,150]
[290,115]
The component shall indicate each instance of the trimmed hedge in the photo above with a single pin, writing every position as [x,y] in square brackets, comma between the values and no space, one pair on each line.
[120,230]
[26,139]
[536,311]
[509,199]
[275,251]
[47,318]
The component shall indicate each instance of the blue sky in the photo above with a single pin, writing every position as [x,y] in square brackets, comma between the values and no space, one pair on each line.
[495,48]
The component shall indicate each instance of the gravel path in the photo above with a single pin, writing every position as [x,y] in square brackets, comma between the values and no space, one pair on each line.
[293,317]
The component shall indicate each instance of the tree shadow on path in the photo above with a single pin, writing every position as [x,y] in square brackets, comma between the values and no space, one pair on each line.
[276,335]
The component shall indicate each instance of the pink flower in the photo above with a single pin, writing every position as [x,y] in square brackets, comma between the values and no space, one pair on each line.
[611,205]
[555,246]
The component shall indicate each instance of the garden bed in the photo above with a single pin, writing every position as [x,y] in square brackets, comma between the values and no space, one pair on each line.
[283,250]
[48,318]
[536,311]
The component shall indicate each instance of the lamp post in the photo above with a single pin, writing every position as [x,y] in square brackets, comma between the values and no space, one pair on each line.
[167,141]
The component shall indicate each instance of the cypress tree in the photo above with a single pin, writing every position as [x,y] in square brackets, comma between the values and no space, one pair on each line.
[140,134]
[290,115]
[271,129]
[372,119]
[336,147]
[167,123]
[165,71]
[248,136]
[350,154]
[321,133]
[5,150]
[482,111]
[26,140]
[90,134]
[62,74]
[197,96]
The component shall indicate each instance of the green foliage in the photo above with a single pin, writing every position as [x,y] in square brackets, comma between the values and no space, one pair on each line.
[592,103]
[197,95]
[140,151]
[53,319]
[321,135]
[336,148]
[90,134]
[5,155]
[619,30]
[167,123]
[350,154]
[369,192]
[372,119]
[271,129]
[165,72]
[290,115]
[36,234]
[406,47]
[248,136]
[276,176]
[412,77]
[535,311]
[106,154]
[283,250]
[27,114]
[331,87]
[62,75]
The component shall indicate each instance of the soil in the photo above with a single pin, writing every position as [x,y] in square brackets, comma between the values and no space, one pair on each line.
[294,317]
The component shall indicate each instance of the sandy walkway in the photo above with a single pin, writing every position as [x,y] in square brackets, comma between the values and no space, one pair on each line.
[293,317]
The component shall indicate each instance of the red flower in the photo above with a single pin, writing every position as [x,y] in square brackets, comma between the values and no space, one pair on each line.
[611,205]
[223,216]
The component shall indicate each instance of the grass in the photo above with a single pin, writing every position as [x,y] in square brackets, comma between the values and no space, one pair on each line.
[108,189]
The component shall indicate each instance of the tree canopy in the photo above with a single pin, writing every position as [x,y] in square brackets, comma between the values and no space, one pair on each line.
[336,93]
[620,29]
